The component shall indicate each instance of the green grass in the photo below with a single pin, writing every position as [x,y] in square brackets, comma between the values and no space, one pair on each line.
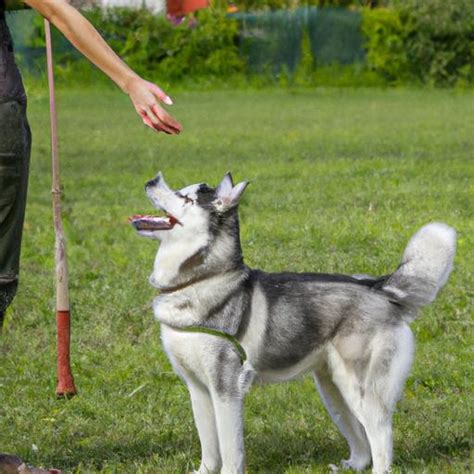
[340,180]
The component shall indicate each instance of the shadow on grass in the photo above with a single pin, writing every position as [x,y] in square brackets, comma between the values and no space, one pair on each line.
[274,453]
[106,454]
[280,451]
[433,451]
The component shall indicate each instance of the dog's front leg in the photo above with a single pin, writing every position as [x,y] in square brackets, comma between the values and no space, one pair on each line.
[229,420]
[205,420]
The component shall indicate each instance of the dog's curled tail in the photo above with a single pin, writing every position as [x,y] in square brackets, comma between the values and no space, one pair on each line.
[425,267]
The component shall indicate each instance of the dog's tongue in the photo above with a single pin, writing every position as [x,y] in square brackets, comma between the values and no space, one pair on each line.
[151,223]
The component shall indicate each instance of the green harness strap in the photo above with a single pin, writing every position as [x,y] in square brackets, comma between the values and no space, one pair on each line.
[215,332]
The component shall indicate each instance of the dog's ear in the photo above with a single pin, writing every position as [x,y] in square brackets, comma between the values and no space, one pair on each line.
[228,195]
[226,185]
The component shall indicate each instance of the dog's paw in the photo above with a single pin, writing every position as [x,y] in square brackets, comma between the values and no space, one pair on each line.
[205,470]
[356,465]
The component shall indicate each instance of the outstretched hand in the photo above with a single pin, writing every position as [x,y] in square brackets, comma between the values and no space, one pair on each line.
[145,97]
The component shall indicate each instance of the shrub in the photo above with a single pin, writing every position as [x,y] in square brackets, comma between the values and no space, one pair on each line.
[425,40]
[208,49]
[439,39]
[155,48]
[429,41]
[386,53]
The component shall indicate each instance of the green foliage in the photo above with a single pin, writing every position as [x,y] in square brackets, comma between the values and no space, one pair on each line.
[423,40]
[253,5]
[340,75]
[204,45]
[427,41]
[208,49]
[385,35]
[280,47]
[304,74]
[439,39]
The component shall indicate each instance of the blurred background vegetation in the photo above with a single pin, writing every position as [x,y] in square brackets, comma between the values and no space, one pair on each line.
[307,43]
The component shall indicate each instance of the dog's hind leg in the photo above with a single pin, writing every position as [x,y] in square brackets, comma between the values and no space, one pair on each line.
[205,420]
[391,360]
[372,390]
[344,419]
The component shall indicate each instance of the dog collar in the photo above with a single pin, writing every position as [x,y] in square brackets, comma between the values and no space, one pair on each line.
[171,289]
[215,332]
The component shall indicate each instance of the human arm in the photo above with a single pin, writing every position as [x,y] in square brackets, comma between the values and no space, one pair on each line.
[80,32]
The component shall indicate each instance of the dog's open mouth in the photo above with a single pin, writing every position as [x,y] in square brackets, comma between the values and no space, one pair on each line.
[151,223]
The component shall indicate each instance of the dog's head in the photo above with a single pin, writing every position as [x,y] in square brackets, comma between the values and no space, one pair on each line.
[189,211]
[198,228]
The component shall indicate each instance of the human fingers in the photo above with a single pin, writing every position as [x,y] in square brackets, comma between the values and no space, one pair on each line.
[162,125]
[148,122]
[157,127]
[159,93]
[166,118]
[150,114]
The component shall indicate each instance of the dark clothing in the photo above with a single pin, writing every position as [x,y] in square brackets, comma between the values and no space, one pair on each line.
[11,85]
[15,141]
[15,145]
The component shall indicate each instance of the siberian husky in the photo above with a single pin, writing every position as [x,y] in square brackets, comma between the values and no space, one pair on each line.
[225,326]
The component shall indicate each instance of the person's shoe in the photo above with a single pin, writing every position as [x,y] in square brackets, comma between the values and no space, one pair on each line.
[7,293]
[10,464]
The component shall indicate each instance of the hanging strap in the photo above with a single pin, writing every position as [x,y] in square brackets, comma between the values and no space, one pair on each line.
[215,332]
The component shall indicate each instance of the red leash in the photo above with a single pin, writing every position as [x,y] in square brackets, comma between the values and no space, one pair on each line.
[65,385]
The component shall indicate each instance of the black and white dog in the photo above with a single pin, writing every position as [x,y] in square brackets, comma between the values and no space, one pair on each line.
[351,332]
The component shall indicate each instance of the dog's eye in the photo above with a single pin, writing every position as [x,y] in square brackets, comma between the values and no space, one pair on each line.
[186,198]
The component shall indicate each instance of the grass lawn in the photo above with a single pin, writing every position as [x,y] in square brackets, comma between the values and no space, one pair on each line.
[340,181]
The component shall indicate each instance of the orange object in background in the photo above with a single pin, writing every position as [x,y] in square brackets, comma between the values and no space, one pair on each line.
[183,7]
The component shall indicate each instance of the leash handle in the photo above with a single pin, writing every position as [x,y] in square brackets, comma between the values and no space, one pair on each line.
[65,386]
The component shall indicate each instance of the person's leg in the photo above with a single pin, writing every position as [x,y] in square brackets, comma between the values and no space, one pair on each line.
[15,145]
[7,293]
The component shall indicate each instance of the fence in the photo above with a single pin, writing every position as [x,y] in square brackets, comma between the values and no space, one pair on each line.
[272,40]
[267,41]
